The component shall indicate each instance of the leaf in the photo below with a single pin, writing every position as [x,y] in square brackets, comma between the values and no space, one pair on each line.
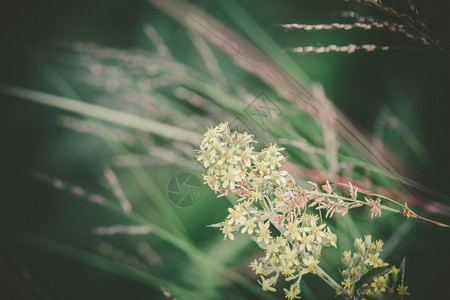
[367,278]
[217,225]
[402,268]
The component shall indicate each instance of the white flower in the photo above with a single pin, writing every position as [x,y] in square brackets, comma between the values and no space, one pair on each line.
[292,293]
[222,127]
[293,230]
[317,232]
[311,264]
[207,157]
[305,242]
[257,267]
[230,177]
[273,150]
[281,241]
[212,181]
[332,238]
[263,232]
[278,176]
[245,138]
[249,224]
[247,156]
[266,284]
[237,215]
[275,161]
[227,231]
[271,250]
[255,195]
[255,181]
[261,166]
[230,157]
[290,255]
[212,134]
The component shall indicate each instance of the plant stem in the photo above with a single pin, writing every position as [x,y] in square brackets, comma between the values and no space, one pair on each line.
[358,201]
[327,278]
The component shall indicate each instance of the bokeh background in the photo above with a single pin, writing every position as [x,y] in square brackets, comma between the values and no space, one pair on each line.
[58,242]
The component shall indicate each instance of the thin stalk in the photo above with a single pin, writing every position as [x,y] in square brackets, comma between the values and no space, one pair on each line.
[103,113]
[356,201]
[325,277]
[386,198]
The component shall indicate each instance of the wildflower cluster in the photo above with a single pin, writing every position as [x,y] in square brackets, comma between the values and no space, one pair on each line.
[295,252]
[272,210]
[367,275]
[234,166]
[269,197]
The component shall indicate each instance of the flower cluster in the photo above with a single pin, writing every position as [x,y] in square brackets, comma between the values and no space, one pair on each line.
[269,198]
[272,210]
[367,274]
[293,253]
[234,166]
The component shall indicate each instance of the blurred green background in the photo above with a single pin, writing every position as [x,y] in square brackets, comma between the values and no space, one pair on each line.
[48,248]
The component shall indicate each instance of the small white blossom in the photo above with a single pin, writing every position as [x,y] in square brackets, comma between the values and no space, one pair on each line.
[293,230]
[266,284]
[248,226]
[237,215]
[290,256]
[278,176]
[305,242]
[230,177]
[263,232]
[257,267]
[311,264]
[293,292]
[227,231]
[247,156]
[317,232]
[212,181]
